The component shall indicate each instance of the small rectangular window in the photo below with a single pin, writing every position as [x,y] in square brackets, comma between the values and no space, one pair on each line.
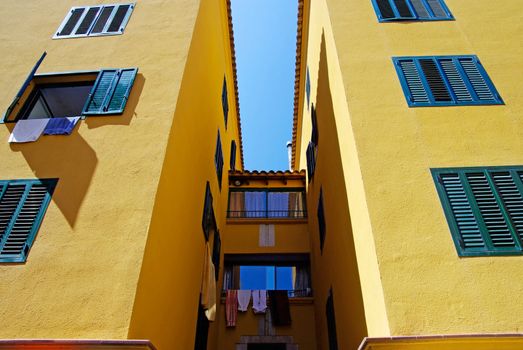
[225,102]
[331,322]
[208,218]
[411,10]
[311,160]
[445,81]
[484,208]
[308,87]
[22,207]
[321,220]
[216,251]
[233,155]
[218,160]
[95,21]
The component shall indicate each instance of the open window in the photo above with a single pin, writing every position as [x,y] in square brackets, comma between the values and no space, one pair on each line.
[71,94]
[290,272]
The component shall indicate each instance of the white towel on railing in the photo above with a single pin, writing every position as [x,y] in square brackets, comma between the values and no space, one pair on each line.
[259,301]
[28,130]
[266,236]
[244,298]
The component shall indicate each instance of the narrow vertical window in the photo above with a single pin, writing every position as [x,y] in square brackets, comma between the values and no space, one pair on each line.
[233,155]
[218,160]
[225,102]
[208,218]
[331,322]
[308,87]
[321,220]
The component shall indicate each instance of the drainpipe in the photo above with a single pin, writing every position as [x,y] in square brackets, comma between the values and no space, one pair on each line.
[289,154]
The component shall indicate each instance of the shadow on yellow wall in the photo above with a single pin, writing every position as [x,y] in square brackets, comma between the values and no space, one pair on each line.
[71,159]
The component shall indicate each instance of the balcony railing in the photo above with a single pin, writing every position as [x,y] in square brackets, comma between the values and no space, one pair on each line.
[296,293]
[267,214]
[271,203]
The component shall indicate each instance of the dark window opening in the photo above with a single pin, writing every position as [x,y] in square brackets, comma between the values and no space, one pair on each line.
[218,160]
[290,272]
[56,100]
[321,220]
[331,322]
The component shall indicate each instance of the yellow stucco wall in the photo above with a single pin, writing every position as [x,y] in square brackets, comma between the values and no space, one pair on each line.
[348,263]
[166,305]
[80,277]
[412,280]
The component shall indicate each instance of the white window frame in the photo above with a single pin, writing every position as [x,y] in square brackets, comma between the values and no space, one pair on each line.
[104,32]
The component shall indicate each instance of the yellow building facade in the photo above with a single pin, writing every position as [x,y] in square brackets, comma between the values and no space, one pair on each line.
[129,227]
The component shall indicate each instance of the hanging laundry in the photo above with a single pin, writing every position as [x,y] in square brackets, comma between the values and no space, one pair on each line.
[61,126]
[28,130]
[259,301]
[279,307]
[244,298]
[208,292]
[231,307]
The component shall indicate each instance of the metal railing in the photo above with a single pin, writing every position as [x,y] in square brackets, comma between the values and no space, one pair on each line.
[267,214]
[294,293]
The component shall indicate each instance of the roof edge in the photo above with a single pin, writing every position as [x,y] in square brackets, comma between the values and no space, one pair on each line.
[297,78]
[235,78]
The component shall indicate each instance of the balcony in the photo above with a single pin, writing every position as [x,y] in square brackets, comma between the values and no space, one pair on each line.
[268,203]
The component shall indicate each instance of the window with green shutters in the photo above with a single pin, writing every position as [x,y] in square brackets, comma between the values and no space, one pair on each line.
[484,208]
[22,206]
[411,10]
[95,21]
[70,94]
[225,102]
[218,160]
[445,81]
[110,92]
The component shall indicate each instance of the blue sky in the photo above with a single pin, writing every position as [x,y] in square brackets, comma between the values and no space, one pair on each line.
[265,43]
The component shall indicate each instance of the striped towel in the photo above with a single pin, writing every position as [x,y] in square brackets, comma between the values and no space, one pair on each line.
[231,307]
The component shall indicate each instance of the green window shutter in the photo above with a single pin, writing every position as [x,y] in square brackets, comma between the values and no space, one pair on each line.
[110,92]
[484,208]
[412,83]
[445,81]
[22,206]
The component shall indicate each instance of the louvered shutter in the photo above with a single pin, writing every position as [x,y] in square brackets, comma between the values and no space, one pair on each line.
[484,208]
[491,213]
[110,92]
[411,81]
[22,206]
[445,81]
[331,322]
[462,215]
